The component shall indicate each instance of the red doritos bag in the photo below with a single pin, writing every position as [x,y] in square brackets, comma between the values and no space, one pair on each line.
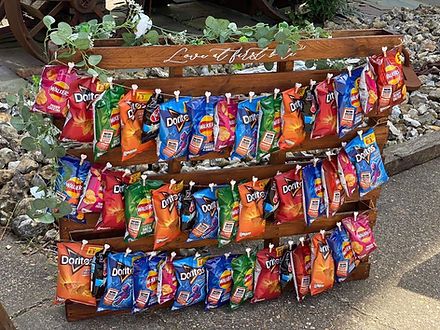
[347,173]
[323,265]
[292,121]
[289,186]
[334,194]
[267,284]
[326,118]
[301,264]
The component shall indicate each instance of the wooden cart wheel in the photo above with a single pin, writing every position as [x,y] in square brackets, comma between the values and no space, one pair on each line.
[2,10]
[275,9]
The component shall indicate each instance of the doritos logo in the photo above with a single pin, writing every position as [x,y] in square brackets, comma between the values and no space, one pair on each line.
[254,195]
[122,271]
[210,206]
[84,95]
[364,154]
[168,201]
[134,107]
[177,119]
[191,274]
[295,105]
[329,97]
[291,186]
[75,260]
[118,189]
[250,118]
[272,262]
[324,249]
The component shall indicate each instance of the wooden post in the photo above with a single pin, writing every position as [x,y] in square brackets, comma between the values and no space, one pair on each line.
[5,320]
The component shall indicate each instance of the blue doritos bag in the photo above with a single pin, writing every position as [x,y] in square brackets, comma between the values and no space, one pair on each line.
[191,275]
[145,281]
[342,253]
[348,101]
[174,129]
[206,224]
[246,131]
[313,194]
[218,280]
[364,153]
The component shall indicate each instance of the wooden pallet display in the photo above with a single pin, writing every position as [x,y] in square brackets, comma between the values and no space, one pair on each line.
[343,44]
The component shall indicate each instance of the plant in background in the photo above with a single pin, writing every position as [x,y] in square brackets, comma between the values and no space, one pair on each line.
[317,11]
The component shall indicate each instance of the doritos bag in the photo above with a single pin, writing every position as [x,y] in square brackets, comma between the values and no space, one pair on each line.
[132,107]
[224,123]
[323,266]
[242,279]
[389,77]
[191,275]
[228,200]
[55,84]
[166,210]
[69,183]
[289,186]
[187,208]
[166,280]
[269,124]
[301,264]
[361,235]
[92,198]
[175,129]
[267,274]
[73,283]
[367,89]
[292,121]
[150,122]
[347,173]
[206,224]
[139,214]
[364,153]
[251,222]
[272,200]
[342,253]
[334,194]
[79,121]
[246,132]
[326,117]
[106,121]
[313,194]
[218,281]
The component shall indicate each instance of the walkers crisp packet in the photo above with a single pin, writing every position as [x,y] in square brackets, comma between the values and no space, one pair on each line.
[92,198]
[323,265]
[269,124]
[206,225]
[313,194]
[228,200]
[326,117]
[289,186]
[301,263]
[242,279]
[342,252]
[292,121]
[224,123]
[347,173]
[166,280]
[364,153]
[334,194]
[150,121]
[361,235]
[218,281]
[367,89]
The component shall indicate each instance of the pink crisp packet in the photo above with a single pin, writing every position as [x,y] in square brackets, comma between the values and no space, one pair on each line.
[224,123]
[347,173]
[367,89]
[54,89]
[92,196]
[166,280]
[361,235]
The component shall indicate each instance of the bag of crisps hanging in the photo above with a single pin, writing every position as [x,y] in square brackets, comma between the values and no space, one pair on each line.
[269,124]
[347,172]
[289,186]
[55,84]
[246,132]
[73,283]
[166,280]
[334,194]
[301,264]
[218,281]
[191,275]
[272,200]
[132,107]
[292,121]
[106,121]
[224,123]
[206,224]
[389,76]
[150,121]
[364,153]
[367,89]
[323,265]
[242,279]
[342,253]
[174,130]
[251,222]
[286,272]
[228,200]
[361,235]
[326,117]
[98,272]
[310,106]
[187,208]
[267,274]
[166,211]
[313,194]
[139,215]
[92,198]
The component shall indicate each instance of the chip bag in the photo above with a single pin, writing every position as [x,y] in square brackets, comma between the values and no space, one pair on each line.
[92,198]
[132,107]
[188,208]
[251,222]
[313,194]
[334,194]
[323,266]
[272,200]
[301,264]
[166,280]
[206,224]
[364,153]
[242,279]
[289,186]
[347,173]
[367,89]
[228,200]
[218,281]
[390,79]
[246,132]
[73,283]
[267,274]
[174,130]
[361,235]
[286,272]
[269,124]
[292,121]
[139,215]
[166,210]
[342,253]
[150,121]
[191,275]
[224,123]
[326,116]
[55,84]
[98,272]
[106,121]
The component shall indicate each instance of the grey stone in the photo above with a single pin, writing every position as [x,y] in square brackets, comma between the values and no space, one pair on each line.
[413,113]
[8,132]
[51,235]
[27,165]
[396,112]
[422,109]
[417,98]
[13,165]
[435,95]
[23,206]
[411,121]
[427,118]
[25,227]
[6,156]
[37,180]
[46,172]
[5,176]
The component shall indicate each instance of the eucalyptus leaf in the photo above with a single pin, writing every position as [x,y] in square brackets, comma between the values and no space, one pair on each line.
[39,204]
[268,66]
[92,72]
[64,209]
[108,19]
[51,202]
[64,29]
[11,100]
[56,39]
[25,113]
[152,37]
[18,123]
[60,151]
[280,36]
[82,44]
[45,218]
[211,22]
[129,38]
[28,143]
[45,147]
[48,21]
[282,50]
[263,42]
[94,60]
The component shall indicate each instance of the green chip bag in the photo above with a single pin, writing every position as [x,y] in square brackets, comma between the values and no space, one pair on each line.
[243,278]
[106,119]
[139,214]
[270,124]
[229,207]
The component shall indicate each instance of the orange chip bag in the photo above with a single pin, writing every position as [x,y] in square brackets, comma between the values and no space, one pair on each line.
[323,266]
[251,222]
[74,261]
[292,121]
[132,107]
[166,210]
